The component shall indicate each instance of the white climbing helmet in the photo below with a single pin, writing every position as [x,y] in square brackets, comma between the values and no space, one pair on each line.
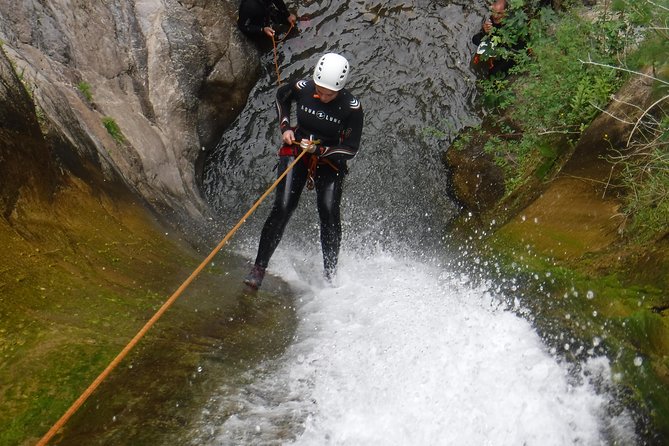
[331,71]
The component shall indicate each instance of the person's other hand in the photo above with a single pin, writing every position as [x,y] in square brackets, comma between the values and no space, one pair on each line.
[487,25]
[269,31]
[288,137]
[292,19]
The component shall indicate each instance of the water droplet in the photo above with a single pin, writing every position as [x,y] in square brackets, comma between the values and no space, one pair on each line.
[638,361]
[590,294]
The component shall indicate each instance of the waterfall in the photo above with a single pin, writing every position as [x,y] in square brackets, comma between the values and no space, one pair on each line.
[400,350]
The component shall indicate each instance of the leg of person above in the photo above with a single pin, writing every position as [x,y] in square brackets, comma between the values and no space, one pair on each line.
[329,185]
[286,197]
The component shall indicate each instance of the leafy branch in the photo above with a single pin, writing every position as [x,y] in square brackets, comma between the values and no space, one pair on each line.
[619,68]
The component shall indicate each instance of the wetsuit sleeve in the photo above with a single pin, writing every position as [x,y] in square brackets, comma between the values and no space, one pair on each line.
[350,138]
[251,18]
[284,96]
[478,37]
[249,28]
[282,8]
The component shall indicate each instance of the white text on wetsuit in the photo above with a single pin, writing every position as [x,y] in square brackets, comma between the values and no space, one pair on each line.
[319,114]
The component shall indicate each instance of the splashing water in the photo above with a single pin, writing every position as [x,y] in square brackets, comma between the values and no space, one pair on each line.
[400,352]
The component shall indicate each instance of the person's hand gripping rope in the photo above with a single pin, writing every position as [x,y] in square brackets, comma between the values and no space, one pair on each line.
[308,145]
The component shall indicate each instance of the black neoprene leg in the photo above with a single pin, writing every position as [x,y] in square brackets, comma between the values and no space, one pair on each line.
[286,197]
[329,185]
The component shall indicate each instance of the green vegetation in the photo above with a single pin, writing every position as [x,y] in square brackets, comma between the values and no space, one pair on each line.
[550,96]
[646,158]
[113,129]
[42,119]
[562,80]
[21,75]
[85,89]
[647,180]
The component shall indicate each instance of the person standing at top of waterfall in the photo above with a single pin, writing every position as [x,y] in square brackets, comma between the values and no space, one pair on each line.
[260,17]
[329,121]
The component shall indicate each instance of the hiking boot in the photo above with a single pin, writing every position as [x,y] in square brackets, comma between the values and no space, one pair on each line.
[254,278]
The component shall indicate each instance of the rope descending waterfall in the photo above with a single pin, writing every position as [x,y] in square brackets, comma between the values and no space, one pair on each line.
[276,56]
[168,303]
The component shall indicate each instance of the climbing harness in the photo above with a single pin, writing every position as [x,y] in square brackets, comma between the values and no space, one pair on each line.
[276,56]
[168,303]
[312,161]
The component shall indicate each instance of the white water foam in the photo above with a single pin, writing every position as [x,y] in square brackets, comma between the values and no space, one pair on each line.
[403,353]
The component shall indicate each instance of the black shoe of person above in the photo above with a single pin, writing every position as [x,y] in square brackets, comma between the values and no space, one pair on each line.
[254,277]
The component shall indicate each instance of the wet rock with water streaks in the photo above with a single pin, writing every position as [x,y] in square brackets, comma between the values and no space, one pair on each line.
[137,87]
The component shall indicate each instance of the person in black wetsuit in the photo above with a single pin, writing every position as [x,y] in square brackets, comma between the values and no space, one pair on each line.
[258,18]
[329,127]
[498,11]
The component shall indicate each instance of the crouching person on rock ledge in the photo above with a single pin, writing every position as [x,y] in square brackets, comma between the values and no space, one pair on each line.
[260,18]
[500,40]
[329,126]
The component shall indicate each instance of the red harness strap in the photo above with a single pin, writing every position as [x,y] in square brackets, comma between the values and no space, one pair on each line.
[311,160]
[287,151]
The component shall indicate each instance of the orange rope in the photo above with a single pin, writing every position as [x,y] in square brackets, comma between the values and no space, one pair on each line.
[285,36]
[276,63]
[94,385]
[276,57]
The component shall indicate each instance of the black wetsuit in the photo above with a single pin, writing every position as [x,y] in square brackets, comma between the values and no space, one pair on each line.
[254,15]
[338,127]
